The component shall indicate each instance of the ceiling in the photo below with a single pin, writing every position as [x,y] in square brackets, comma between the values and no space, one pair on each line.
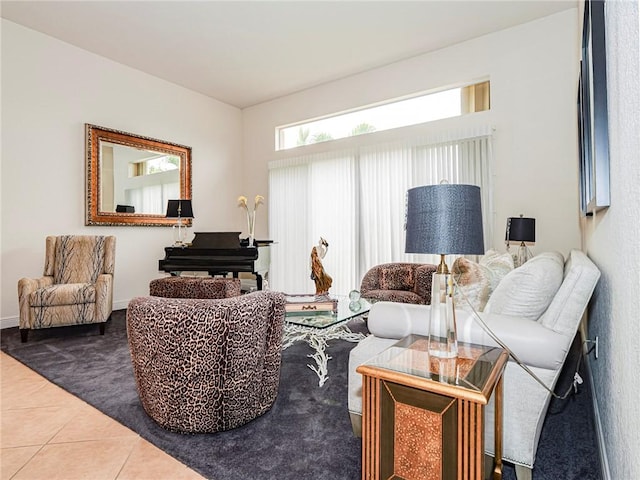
[244,53]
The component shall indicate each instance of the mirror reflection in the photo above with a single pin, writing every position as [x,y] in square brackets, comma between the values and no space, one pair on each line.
[130,178]
[137,180]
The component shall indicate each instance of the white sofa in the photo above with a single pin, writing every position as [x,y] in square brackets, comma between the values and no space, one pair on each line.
[535,310]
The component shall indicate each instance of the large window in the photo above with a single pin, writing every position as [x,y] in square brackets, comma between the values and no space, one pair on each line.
[424,108]
[355,199]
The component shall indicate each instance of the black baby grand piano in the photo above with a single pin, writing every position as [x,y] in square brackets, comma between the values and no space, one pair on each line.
[217,253]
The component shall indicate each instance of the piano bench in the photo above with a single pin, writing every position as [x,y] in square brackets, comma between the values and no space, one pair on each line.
[194,287]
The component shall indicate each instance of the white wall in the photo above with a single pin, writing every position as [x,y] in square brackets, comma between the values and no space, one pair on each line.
[612,240]
[533,73]
[49,91]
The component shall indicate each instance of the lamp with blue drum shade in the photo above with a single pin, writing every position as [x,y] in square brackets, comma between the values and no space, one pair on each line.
[444,219]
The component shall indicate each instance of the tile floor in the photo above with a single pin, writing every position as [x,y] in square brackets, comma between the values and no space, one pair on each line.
[49,434]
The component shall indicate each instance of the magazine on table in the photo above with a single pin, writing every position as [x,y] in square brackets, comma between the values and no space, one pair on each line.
[307,303]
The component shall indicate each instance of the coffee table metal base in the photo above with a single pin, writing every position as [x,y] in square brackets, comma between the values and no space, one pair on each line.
[317,339]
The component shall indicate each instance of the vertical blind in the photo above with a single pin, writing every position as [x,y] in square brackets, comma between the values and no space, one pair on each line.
[355,199]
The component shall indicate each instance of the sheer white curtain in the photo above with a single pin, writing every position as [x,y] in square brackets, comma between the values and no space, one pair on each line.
[312,197]
[146,199]
[170,191]
[356,200]
[388,171]
[152,198]
[385,176]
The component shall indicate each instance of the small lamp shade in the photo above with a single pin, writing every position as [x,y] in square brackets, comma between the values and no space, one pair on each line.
[444,219]
[125,209]
[521,229]
[179,209]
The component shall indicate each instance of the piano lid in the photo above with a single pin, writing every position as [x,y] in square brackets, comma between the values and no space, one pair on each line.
[216,240]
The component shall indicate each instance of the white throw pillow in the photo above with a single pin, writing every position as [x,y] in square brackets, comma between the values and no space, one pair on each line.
[528,290]
[498,265]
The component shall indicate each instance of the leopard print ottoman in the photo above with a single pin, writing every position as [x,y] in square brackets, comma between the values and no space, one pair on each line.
[194,287]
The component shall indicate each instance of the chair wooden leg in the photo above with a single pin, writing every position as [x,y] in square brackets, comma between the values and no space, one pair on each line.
[102,327]
[24,334]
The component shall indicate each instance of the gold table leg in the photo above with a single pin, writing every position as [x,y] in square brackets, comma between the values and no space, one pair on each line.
[497,470]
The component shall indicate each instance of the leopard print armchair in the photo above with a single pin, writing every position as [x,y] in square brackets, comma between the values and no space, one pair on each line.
[398,282]
[76,286]
[206,365]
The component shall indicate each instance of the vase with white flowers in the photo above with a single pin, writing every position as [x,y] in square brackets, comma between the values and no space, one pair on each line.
[251,215]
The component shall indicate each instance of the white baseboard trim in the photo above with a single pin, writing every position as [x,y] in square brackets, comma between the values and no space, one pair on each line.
[9,322]
[121,304]
[14,321]
[604,462]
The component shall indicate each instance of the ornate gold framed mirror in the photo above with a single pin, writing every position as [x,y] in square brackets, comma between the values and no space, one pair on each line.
[130,178]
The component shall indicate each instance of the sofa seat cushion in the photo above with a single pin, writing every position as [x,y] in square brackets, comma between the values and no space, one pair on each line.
[362,353]
[528,290]
[63,294]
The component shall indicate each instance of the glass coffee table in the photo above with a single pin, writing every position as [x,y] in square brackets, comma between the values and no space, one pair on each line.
[317,328]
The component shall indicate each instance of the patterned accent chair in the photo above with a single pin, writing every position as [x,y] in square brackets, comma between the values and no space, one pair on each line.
[76,287]
[399,282]
[194,287]
[203,365]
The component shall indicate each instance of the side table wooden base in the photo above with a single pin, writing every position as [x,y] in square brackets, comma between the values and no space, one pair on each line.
[415,428]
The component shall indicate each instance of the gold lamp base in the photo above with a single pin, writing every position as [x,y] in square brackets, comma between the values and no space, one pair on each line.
[442,266]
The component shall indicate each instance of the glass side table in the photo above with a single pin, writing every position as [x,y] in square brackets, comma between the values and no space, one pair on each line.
[423,417]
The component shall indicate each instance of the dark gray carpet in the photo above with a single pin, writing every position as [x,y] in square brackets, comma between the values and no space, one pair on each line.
[307,433]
